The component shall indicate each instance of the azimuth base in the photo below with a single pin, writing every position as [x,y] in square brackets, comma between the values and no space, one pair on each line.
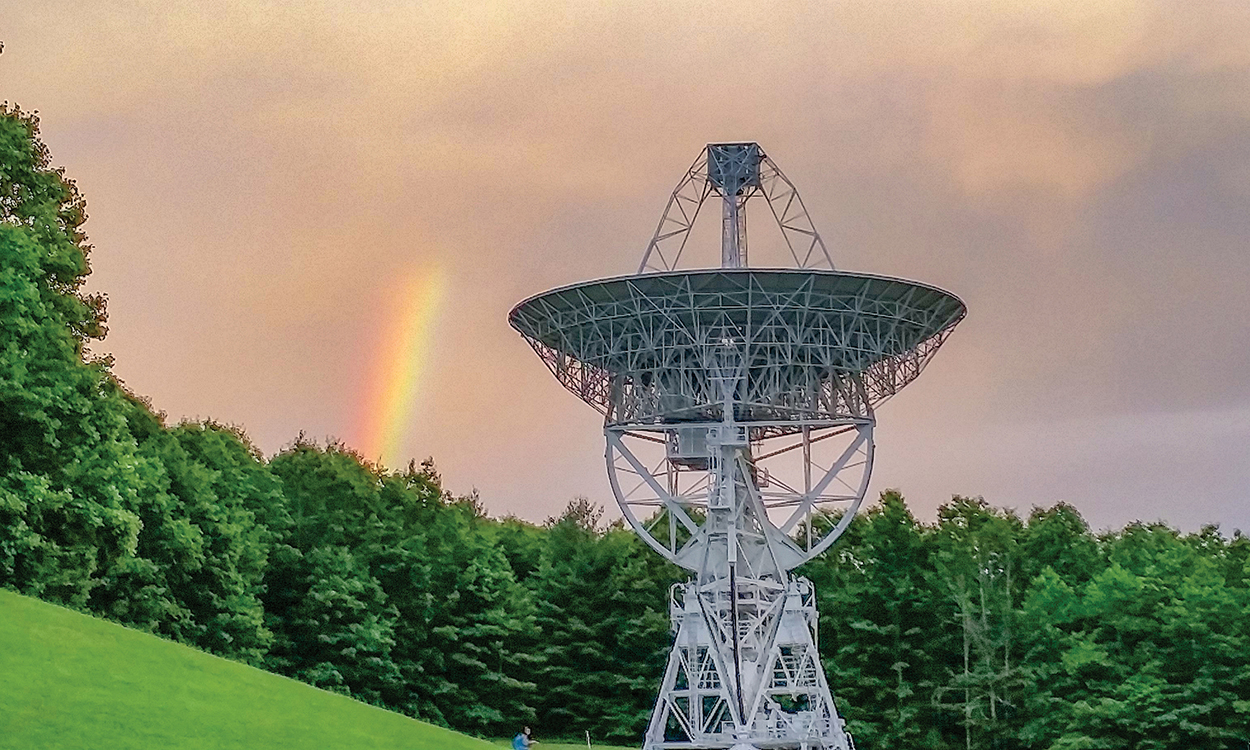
[785,700]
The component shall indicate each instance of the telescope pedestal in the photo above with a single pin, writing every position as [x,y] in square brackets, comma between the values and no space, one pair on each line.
[784,701]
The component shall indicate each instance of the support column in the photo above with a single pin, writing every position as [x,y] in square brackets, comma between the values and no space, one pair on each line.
[744,671]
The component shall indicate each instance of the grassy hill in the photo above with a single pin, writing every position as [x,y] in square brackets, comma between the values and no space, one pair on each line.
[69,681]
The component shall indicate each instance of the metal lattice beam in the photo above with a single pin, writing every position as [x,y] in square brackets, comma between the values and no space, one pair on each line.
[729,164]
[817,345]
[739,409]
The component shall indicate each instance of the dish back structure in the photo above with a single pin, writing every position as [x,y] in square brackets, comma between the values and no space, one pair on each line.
[739,405]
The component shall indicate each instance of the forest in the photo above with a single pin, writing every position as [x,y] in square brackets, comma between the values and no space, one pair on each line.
[983,629]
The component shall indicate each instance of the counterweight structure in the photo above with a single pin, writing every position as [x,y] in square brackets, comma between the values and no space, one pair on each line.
[738,409]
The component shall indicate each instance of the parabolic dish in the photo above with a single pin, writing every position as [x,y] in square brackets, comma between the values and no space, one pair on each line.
[796,344]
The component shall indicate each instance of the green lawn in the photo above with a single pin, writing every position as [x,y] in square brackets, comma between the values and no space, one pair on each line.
[70,682]
[566,745]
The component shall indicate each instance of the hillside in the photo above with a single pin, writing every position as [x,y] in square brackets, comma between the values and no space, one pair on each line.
[69,681]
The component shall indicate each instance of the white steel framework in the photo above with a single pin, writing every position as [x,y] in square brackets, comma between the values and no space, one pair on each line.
[736,172]
[738,412]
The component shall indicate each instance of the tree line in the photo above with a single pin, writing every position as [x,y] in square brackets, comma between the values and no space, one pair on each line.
[983,629]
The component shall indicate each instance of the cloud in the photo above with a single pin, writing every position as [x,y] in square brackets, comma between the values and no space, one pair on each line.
[258,173]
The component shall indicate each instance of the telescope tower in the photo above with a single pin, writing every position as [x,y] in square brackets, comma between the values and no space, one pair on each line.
[739,407]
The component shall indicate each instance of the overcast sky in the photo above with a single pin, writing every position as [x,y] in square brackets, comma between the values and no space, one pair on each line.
[260,176]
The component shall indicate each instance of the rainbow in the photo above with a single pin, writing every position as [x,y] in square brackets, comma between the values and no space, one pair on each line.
[400,359]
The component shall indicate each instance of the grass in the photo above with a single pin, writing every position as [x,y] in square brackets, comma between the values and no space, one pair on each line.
[73,682]
[556,745]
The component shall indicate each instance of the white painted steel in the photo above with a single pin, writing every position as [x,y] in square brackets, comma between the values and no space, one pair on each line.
[738,412]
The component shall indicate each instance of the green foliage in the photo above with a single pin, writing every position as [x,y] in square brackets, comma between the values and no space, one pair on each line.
[573,745]
[1148,653]
[70,476]
[1059,539]
[976,559]
[38,198]
[196,574]
[601,598]
[984,631]
[879,624]
[384,587]
[481,630]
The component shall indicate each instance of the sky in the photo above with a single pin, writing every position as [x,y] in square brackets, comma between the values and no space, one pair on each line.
[313,218]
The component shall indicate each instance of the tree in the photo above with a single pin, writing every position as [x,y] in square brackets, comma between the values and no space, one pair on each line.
[881,626]
[1057,538]
[481,627]
[70,476]
[1149,653]
[601,597]
[417,582]
[975,563]
[40,199]
[333,625]
[337,629]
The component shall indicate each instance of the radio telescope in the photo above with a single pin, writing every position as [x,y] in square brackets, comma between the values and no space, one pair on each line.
[739,406]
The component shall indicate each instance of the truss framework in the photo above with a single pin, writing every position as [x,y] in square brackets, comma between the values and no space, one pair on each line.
[808,483]
[777,697]
[739,408]
[664,251]
[642,350]
[744,671]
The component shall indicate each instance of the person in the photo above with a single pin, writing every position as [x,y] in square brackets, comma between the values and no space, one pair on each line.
[523,740]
